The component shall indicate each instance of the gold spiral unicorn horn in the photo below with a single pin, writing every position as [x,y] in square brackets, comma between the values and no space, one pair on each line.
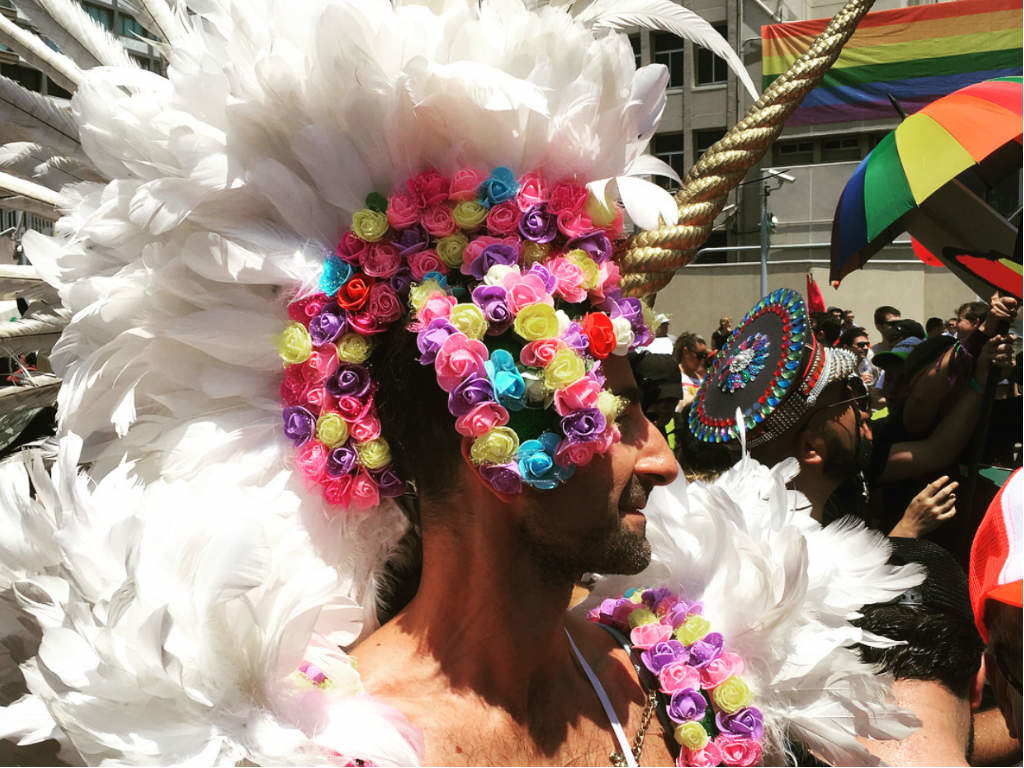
[652,257]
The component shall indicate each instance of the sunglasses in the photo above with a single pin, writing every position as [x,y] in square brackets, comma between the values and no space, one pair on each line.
[858,394]
[703,355]
[862,344]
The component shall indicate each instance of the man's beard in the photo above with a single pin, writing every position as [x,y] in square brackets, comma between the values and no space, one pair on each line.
[843,462]
[602,551]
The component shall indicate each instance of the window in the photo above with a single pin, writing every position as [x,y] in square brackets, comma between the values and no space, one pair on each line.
[129,27]
[670,148]
[25,76]
[702,140]
[793,153]
[52,89]
[668,50]
[708,68]
[840,150]
[634,40]
[103,16]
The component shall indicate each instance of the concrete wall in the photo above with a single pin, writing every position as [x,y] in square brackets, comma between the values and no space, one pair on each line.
[700,294]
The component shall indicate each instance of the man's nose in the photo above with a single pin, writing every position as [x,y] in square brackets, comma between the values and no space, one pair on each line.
[655,462]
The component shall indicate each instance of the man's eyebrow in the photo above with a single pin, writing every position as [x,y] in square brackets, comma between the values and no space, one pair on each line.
[632,394]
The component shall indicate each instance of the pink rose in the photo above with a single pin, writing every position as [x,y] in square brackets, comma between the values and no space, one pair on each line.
[437,305]
[298,312]
[580,394]
[464,184]
[481,419]
[523,290]
[422,262]
[720,669]
[365,322]
[538,354]
[710,756]
[320,364]
[574,223]
[614,229]
[646,635]
[363,491]
[578,454]
[336,490]
[403,210]
[365,429]
[738,751]
[350,247]
[458,358]
[569,277]
[380,260]
[311,461]
[678,675]
[438,221]
[566,196]
[384,304]
[608,280]
[428,188]
[316,398]
[352,409]
[533,190]
[608,438]
[503,218]
[293,386]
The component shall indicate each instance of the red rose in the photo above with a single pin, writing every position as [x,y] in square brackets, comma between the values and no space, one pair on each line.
[503,218]
[301,310]
[429,188]
[350,247]
[599,331]
[353,294]
[293,386]
[567,197]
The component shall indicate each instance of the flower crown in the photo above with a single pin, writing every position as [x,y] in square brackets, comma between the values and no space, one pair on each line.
[515,299]
[704,695]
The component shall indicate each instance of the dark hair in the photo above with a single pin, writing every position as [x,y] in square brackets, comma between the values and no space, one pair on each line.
[830,328]
[698,458]
[882,311]
[847,337]
[932,323]
[687,341]
[933,620]
[831,310]
[974,311]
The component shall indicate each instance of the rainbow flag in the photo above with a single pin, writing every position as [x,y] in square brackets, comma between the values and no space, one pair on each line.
[916,54]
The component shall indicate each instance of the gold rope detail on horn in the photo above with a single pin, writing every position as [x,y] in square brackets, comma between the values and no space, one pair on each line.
[653,257]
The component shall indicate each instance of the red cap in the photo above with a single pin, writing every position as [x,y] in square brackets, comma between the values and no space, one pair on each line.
[997,554]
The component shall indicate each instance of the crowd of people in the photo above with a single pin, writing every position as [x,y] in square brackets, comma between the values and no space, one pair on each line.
[914,434]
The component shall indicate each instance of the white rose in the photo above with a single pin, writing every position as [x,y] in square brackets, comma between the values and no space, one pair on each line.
[496,273]
[563,321]
[623,335]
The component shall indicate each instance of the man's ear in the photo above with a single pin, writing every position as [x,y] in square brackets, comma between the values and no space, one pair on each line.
[976,686]
[810,448]
[465,446]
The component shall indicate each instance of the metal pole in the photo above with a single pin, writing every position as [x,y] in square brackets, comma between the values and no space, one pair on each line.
[764,241]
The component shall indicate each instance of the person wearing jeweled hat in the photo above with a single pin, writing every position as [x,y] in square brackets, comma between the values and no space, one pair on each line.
[798,398]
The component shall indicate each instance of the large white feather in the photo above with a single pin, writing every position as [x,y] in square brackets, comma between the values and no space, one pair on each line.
[38,118]
[58,67]
[76,33]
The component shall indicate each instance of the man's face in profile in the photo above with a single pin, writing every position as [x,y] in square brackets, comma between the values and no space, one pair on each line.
[843,422]
[594,522]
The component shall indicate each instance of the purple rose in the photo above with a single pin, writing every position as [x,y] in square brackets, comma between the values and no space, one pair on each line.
[504,478]
[654,596]
[327,326]
[706,650]
[430,339]
[746,723]
[341,461]
[351,380]
[663,653]
[629,308]
[496,253]
[468,393]
[642,336]
[597,373]
[298,424]
[389,484]
[401,280]
[492,302]
[686,705]
[411,240]
[538,225]
[595,244]
[584,424]
[549,280]
[678,613]
[575,338]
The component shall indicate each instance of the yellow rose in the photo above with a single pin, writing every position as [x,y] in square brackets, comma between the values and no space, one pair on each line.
[331,430]
[611,406]
[369,225]
[420,292]
[587,266]
[469,214]
[535,253]
[692,735]
[565,368]
[374,454]
[692,630]
[536,321]
[640,616]
[450,249]
[497,446]
[637,596]
[601,212]
[469,319]
[353,348]
[294,345]
[731,695]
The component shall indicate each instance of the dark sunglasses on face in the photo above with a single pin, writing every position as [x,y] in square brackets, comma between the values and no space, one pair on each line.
[857,392]
[862,344]
[702,355]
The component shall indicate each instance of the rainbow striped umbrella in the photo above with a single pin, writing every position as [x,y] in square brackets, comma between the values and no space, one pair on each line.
[908,183]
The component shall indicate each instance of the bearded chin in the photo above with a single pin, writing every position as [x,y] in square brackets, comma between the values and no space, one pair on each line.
[619,551]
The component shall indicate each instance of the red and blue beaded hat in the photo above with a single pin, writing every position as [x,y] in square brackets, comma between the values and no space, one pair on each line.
[772,369]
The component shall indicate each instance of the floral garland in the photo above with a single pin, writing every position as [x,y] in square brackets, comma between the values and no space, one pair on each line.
[706,698]
[488,269]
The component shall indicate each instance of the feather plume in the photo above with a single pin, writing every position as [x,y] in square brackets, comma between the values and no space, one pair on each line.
[76,33]
[22,280]
[30,205]
[42,391]
[666,16]
[157,16]
[58,67]
[38,118]
[16,186]
[36,332]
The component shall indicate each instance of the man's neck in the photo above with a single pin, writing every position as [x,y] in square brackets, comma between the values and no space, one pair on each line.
[693,373]
[817,488]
